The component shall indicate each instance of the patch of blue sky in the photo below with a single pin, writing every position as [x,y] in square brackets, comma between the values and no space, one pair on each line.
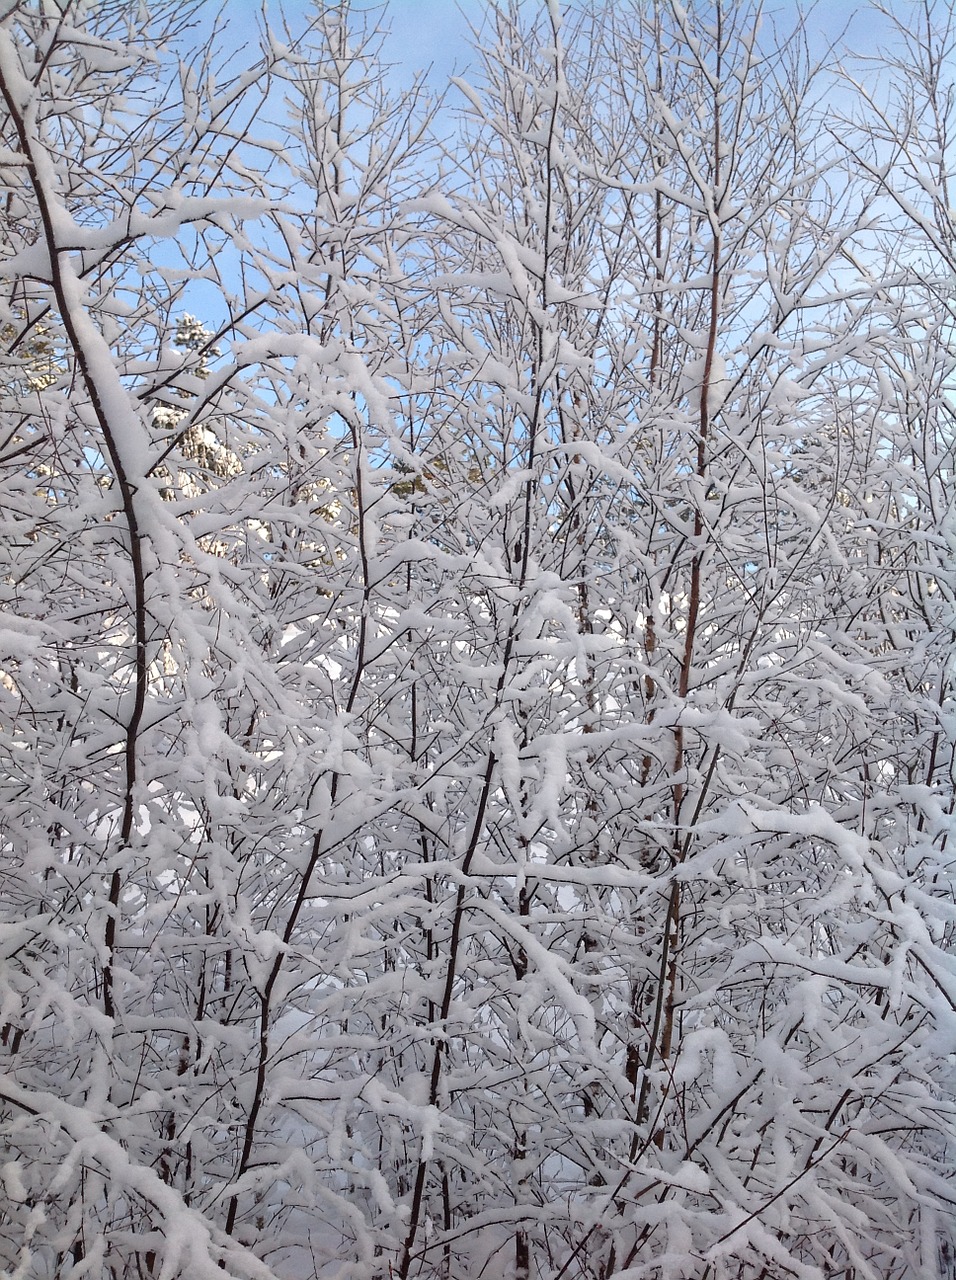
[431,37]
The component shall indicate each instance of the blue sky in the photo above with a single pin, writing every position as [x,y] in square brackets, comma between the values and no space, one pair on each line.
[435,33]
[424,33]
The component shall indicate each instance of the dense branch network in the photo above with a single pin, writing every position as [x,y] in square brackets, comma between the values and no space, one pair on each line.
[476,707]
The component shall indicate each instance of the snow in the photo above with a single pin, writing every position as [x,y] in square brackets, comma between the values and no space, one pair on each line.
[537,811]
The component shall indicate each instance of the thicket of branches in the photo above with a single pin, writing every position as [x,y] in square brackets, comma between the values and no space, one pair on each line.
[476,707]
